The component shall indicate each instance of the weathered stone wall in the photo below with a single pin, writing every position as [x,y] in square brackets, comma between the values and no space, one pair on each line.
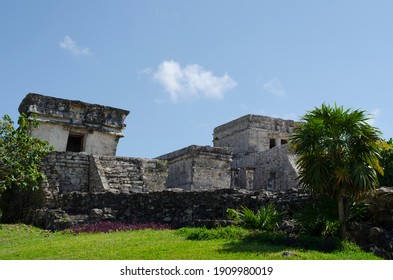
[175,207]
[66,172]
[261,160]
[272,170]
[381,208]
[79,172]
[97,128]
[211,173]
[97,142]
[252,134]
[374,232]
[123,174]
[199,167]
[56,135]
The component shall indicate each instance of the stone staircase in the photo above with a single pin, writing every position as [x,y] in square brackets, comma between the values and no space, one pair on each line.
[125,175]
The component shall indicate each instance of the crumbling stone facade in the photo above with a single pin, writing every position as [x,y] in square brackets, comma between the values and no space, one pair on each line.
[175,207]
[261,158]
[68,172]
[199,168]
[271,170]
[249,153]
[75,126]
[252,134]
[127,175]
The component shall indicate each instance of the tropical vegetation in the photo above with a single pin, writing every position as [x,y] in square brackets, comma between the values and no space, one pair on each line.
[338,154]
[386,161]
[265,218]
[20,159]
[20,154]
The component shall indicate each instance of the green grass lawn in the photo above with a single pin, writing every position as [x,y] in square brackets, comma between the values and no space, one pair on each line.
[29,243]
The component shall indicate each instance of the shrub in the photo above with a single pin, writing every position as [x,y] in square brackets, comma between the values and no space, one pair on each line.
[20,165]
[357,211]
[266,218]
[21,154]
[319,218]
[386,162]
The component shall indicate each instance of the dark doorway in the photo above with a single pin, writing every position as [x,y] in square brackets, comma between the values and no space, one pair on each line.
[75,143]
[272,143]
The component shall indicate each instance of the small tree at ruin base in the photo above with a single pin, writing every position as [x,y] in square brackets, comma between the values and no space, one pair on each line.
[20,155]
[338,154]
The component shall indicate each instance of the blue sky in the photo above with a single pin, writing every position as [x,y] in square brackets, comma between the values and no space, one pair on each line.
[185,67]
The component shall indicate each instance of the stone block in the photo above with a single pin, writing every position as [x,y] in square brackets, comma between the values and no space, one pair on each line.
[96,213]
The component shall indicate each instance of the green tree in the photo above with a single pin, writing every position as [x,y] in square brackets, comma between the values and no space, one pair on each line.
[20,154]
[386,161]
[338,154]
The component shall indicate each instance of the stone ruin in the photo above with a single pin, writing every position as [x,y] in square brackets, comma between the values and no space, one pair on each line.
[249,153]
[249,164]
[260,159]
[198,168]
[75,126]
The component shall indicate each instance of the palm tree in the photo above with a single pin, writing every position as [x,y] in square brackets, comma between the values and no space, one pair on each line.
[338,154]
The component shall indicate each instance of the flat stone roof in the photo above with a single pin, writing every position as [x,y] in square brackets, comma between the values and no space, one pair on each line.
[195,150]
[256,122]
[72,112]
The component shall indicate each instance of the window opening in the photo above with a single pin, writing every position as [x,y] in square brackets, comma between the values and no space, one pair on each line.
[75,143]
[272,143]
[283,141]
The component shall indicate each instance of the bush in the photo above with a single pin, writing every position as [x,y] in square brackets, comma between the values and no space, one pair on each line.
[319,218]
[386,161]
[20,164]
[357,211]
[21,154]
[266,218]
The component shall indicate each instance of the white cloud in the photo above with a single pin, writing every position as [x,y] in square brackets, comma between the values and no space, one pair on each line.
[71,46]
[192,81]
[274,87]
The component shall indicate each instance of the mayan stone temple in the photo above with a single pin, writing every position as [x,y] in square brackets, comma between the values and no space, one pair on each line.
[75,126]
[248,153]
[86,181]
[260,156]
